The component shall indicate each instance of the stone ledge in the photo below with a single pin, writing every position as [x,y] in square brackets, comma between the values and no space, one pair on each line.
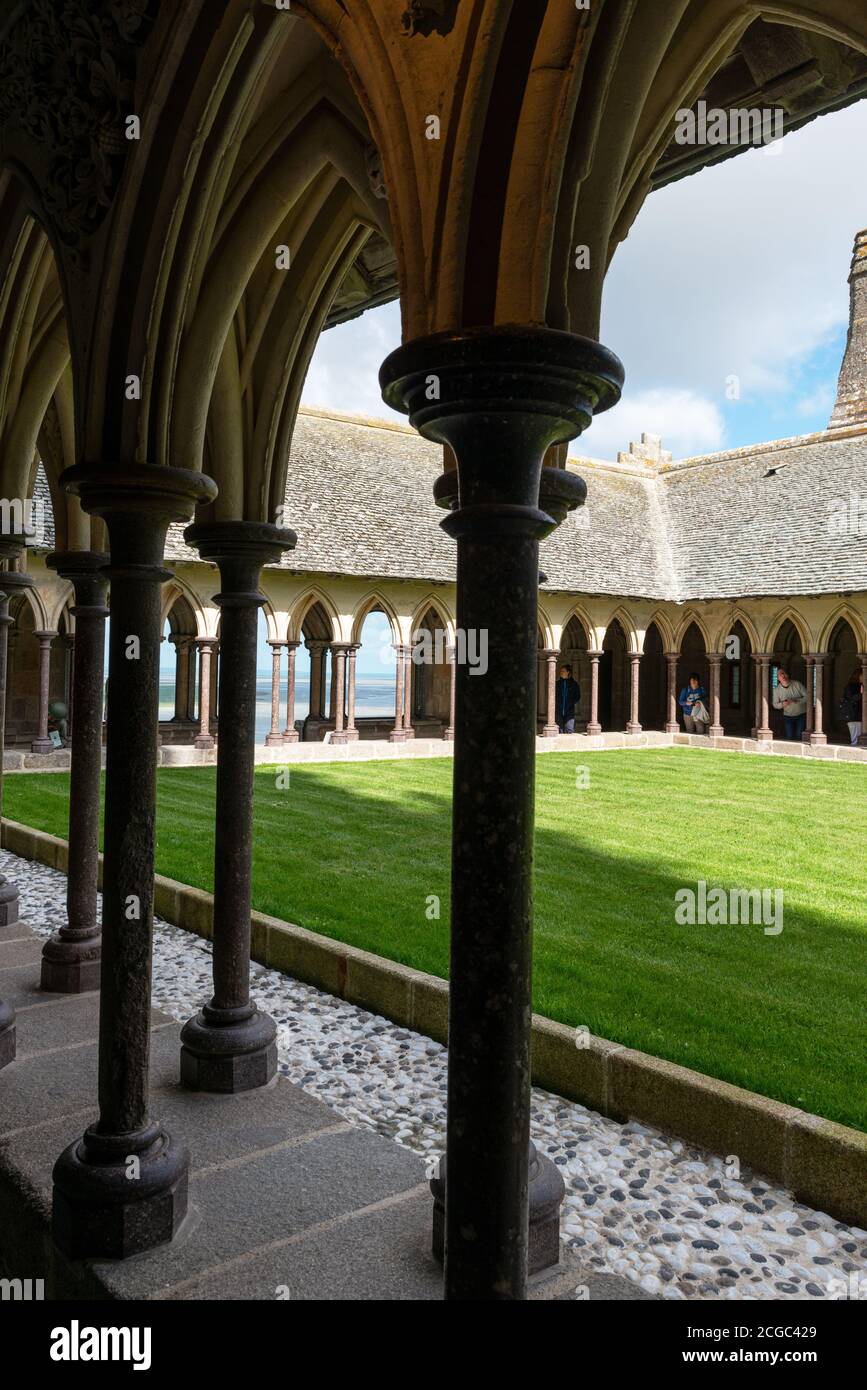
[823,1163]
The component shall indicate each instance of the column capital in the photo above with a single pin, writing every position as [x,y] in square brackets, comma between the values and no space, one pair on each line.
[44,634]
[125,494]
[207,641]
[818,657]
[550,653]
[594,653]
[240,549]
[316,644]
[714,658]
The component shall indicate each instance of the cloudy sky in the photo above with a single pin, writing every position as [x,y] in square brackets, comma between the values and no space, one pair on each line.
[739,271]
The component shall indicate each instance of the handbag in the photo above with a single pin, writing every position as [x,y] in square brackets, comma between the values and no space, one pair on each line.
[699,713]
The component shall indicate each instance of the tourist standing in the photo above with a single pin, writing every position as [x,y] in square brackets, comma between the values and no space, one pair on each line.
[851,705]
[790,696]
[567,693]
[692,705]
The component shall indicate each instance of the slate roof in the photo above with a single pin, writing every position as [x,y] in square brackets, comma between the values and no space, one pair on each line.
[723,525]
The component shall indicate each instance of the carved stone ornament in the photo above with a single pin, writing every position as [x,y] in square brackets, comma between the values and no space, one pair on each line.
[67,70]
[429,16]
[376,177]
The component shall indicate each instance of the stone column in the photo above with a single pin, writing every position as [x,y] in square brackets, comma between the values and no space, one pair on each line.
[182,645]
[332,686]
[99,1210]
[408,730]
[10,582]
[290,733]
[818,736]
[449,732]
[671,724]
[275,737]
[398,733]
[811,708]
[350,733]
[862,742]
[551,730]
[593,725]
[317,684]
[71,958]
[338,658]
[491,383]
[42,743]
[714,660]
[229,1045]
[763,660]
[204,738]
[634,724]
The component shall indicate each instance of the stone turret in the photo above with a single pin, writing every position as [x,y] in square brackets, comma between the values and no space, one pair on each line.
[851,406]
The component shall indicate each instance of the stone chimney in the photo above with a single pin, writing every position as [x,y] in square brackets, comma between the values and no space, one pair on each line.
[851,407]
[649,451]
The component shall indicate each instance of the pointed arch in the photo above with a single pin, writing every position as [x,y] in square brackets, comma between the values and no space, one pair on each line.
[302,606]
[369,604]
[799,623]
[660,621]
[177,589]
[737,615]
[580,615]
[440,607]
[844,612]
[690,617]
[622,616]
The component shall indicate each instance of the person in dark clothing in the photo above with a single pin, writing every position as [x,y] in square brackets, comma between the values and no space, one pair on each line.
[567,693]
[851,706]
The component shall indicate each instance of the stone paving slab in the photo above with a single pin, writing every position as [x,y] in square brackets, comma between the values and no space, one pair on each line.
[284,1193]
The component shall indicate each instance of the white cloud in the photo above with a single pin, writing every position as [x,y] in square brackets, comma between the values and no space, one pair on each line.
[686,422]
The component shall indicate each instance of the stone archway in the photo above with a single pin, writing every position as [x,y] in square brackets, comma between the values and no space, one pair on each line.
[737,683]
[652,680]
[692,659]
[614,677]
[431,678]
[843,663]
[788,652]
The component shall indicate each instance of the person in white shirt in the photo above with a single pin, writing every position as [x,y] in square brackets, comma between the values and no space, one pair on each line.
[790,696]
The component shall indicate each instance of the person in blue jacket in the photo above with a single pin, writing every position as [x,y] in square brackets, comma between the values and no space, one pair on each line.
[692,692]
[567,693]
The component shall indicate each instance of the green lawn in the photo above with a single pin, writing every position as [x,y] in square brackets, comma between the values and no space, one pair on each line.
[353,851]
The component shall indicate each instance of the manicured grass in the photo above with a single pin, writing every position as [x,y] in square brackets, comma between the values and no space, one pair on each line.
[354,851]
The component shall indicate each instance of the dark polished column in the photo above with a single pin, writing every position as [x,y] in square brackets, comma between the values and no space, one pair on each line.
[350,733]
[42,743]
[275,736]
[338,659]
[714,660]
[593,725]
[204,738]
[290,733]
[504,395]
[229,1045]
[551,730]
[71,958]
[10,582]
[122,1188]
[398,733]
[633,725]
[671,723]
[818,737]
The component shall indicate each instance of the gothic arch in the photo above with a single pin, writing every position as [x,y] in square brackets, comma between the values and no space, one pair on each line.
[846,613]
[690,617]
[577,612]
[368,605]
[799,623]
[439,606]
[630,632]
[302,606]
[659,620]
[737,616]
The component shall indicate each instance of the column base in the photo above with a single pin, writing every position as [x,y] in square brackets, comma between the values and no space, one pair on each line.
[818,740]
[340,737]
[764,735]
[448,735]
[672,728]
[594,729]
[715,731]
[546,1192]
[291,736]
[397,736]
[633,728]
[101,1210]
[862,741]
[224,1052]
[409,733]
[71,965]
[204,741]
[274,740]
[550,731]
[351,735]
[7,1034]
[8,903]
[42,745]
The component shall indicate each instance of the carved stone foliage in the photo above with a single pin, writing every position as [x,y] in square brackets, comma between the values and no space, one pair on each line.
[66,82]
[433,16]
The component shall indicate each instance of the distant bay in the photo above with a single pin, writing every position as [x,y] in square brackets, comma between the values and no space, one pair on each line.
[374,695]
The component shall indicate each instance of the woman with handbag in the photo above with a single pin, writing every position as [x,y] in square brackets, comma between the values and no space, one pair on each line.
[692,703]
